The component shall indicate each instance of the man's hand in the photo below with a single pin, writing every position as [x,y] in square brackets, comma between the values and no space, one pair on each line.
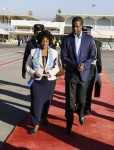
[81,67]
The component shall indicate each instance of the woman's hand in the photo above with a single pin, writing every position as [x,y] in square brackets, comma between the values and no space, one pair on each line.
[37,75]
[48,74]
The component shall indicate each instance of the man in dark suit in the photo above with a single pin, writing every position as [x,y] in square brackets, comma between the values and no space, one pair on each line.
[96,67]
[31,44]
[78,51]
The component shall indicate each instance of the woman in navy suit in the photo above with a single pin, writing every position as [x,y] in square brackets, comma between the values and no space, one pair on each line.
[42,66]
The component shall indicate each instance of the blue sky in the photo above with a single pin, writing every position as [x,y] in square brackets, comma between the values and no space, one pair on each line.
[48,8]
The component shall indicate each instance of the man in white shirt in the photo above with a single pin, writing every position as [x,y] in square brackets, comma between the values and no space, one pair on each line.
[77,53]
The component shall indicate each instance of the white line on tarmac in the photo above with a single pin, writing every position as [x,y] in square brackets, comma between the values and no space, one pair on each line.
[7,64]
[9,61]
[8,57]
[7,54]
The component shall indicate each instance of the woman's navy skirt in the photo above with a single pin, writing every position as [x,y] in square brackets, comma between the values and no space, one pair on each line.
[42,91]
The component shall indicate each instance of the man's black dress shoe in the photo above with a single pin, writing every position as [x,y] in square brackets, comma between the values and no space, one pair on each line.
[44,122]
[68,130]
[87,112]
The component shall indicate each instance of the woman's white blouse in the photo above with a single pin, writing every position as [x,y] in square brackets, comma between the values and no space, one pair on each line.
[52,65]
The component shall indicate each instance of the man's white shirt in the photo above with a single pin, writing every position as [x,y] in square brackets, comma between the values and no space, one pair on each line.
[78,43]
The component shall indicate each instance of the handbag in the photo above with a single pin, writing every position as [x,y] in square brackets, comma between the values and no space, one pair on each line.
[97,89]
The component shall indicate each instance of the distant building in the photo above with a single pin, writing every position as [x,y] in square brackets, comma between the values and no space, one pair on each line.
[5,22]
[103,25]
[19,26]
[25,26]
[30,13]
[13,25]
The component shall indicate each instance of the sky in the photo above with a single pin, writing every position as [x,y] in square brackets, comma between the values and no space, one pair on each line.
[48,8]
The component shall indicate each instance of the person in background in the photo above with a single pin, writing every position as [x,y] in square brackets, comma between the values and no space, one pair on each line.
[42,66]
[19,41]
[77,53]
[32,43]
[96,68]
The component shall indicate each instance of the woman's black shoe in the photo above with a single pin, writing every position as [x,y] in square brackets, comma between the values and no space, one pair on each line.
[34,130]
[81,120]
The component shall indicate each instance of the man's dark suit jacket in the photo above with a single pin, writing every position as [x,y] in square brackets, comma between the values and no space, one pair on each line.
[31,44]
[87,54]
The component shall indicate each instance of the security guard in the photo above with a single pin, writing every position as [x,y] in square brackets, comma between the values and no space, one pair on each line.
[31,44]
[96,67]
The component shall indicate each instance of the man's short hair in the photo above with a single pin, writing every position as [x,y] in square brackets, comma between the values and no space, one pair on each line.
[77,18]
[38,27]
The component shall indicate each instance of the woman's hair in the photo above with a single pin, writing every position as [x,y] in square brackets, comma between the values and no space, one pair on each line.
[45,34]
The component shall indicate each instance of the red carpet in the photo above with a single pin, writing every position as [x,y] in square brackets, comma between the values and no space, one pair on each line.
[96,134]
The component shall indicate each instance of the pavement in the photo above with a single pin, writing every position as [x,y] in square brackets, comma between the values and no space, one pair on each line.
[14,95]
[108,63]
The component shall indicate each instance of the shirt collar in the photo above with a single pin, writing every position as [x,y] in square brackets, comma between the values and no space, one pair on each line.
[79,35]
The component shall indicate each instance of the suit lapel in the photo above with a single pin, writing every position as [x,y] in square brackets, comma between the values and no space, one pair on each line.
[49,58]
[40,59]
[82,45]
[73,46]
